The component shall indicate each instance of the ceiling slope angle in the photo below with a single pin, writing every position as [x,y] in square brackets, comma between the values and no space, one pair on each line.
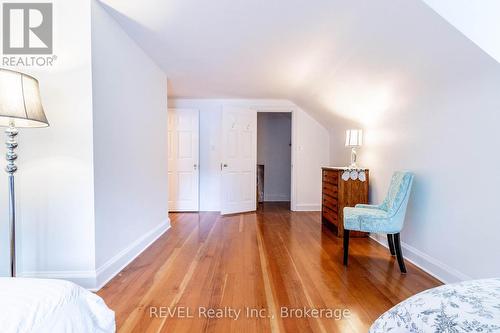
[478,20]
[341,61]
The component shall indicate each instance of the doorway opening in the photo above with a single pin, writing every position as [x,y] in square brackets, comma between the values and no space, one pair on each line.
[274,158]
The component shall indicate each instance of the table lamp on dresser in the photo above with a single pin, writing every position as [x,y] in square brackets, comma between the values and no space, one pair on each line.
[20,106]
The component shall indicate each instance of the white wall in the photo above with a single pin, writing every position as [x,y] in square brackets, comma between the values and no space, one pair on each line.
[55,177]
[57,235]
[310,148]
[130,146]
[311,151]
[442,124]
[274,137]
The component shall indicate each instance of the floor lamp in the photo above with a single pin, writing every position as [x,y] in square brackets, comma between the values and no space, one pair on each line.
[20,106]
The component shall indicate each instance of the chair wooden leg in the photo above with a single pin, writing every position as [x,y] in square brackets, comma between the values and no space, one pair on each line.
[346,246]
[399,253]
[390,241]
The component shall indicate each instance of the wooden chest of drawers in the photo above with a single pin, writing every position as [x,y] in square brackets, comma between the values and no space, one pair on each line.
[337,194]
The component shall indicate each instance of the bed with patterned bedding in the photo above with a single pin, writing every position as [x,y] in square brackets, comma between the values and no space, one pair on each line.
[472,306]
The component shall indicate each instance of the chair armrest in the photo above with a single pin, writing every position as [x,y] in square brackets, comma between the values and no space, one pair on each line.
[367,206]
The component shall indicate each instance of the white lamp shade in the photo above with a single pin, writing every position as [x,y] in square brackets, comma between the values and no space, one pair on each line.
[20,102]
[354,138]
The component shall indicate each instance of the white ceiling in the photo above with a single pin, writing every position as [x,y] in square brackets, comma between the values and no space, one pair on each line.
[478,20]
[352,59]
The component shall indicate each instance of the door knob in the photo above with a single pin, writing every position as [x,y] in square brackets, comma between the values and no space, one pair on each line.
[223,165]
[195,166]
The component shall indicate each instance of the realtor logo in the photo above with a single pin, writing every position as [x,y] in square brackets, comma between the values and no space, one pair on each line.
[27,28]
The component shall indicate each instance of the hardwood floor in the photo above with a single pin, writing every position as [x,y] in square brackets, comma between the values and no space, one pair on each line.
[266,260]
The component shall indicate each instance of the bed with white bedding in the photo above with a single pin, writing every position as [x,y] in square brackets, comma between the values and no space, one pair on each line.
[51,306]
[471,306]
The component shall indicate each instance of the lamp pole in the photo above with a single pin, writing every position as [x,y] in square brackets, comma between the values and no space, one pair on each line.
[11,168]
[354,158]
[20,107]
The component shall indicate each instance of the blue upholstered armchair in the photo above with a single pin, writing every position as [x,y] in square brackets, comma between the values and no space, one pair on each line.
[387,218]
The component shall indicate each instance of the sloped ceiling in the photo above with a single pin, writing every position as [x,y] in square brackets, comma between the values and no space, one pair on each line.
[338,59]
[478,20]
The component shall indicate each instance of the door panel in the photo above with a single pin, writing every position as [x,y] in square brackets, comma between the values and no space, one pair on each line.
[183,165]
[239,160]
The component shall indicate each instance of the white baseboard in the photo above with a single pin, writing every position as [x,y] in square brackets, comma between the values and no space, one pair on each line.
[86,279]
[276,197]
[119,261]
[95,280]
[432,266]
[307,208]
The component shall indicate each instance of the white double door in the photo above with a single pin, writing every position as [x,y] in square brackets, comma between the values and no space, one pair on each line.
[239,160]
[238,165]
[183,160]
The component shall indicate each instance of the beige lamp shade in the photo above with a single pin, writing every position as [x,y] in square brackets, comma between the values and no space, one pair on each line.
[20,102]
[354,138]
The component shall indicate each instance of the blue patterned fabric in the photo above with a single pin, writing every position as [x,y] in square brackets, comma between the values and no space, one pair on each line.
[385,218]
[472,306]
